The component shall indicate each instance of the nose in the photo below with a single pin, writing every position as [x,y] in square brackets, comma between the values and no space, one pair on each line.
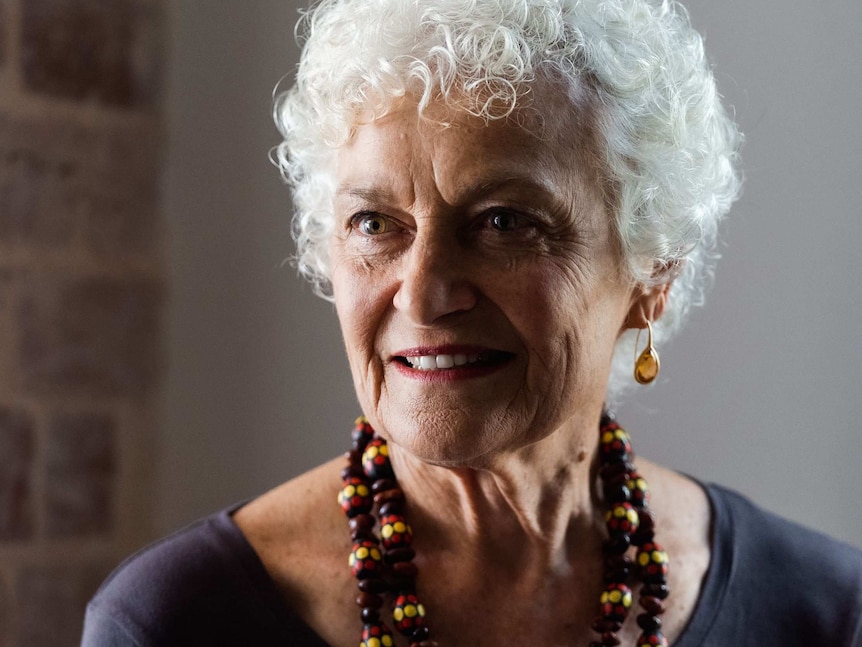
[435,280]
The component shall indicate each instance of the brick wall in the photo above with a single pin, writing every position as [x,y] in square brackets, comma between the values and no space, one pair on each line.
[81,292]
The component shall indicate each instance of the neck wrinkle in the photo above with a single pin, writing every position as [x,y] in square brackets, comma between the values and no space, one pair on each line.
[533,510]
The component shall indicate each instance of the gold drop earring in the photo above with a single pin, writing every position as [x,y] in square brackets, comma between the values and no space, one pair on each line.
[646,364]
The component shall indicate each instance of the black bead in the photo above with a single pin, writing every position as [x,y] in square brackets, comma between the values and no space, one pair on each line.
[420,634]
[617,493]
[370,615]
[617,545]
[649,622]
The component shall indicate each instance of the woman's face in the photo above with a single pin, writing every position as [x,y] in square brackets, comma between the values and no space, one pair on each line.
[477,281]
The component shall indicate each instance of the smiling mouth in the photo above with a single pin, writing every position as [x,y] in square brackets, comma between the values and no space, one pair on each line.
[444,362]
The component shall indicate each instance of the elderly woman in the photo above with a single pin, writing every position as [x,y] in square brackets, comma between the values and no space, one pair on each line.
[498,195]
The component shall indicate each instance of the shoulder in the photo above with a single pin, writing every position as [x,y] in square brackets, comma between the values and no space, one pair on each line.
[786,550]
[204,585]
[300,534]
[786,584]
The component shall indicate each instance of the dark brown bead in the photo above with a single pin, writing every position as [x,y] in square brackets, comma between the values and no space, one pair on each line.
[613,469]
[354,471]
[651,604]
[369,600]
[420,634]
[617,568]
[363,522]
[373,585]
[354,456]
[602,625]
[391,507]
[610,639]
[660,591]
[393,494]
[649,622]
[399,555]
[405,569]
[370,615]
[381,485]
[646,517]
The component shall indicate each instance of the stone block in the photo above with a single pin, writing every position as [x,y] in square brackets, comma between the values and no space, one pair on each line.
[96,336]
[17,446]
[51,600]
[81,475]
[59,180]
[92,50]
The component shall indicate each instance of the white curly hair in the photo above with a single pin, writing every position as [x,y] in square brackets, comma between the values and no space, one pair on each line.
[668,148]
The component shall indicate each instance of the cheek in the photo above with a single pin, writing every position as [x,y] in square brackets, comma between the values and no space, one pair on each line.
[569,325]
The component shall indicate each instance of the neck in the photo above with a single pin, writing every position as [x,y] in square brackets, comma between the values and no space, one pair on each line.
[531,507]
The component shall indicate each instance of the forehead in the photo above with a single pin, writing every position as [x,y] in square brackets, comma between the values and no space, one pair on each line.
[547,141]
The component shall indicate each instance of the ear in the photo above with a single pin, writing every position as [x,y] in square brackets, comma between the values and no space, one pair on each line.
[648,304]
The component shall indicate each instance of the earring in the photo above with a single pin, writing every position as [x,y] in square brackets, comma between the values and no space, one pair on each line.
[646,364]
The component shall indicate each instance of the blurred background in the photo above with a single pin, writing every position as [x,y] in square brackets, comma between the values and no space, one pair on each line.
[160,360]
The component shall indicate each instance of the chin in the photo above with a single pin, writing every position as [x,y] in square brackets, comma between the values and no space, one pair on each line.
[450,439]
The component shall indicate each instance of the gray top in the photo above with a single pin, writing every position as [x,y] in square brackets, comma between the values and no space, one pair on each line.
[770,582]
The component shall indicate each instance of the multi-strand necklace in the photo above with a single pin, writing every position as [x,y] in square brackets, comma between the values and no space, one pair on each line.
[382,558]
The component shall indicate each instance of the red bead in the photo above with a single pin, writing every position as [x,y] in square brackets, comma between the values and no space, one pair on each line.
[362,432]
[614,441]
[622,518]
[355,497]
[616,601]
[366,560]
[408,613]
[376,634]
[654,638]
[375,460]
[395,532]
[652,563]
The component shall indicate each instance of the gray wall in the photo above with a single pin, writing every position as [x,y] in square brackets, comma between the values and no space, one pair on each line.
[761,392]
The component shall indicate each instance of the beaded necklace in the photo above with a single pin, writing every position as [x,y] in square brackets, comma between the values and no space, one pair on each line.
[369,483]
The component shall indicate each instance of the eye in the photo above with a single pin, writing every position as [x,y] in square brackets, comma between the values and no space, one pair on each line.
[371,224]
[505,220]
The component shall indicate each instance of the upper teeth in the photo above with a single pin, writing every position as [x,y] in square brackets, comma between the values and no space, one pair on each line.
[434,362]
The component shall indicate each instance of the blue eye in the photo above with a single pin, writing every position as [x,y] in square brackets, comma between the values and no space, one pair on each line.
[372,224]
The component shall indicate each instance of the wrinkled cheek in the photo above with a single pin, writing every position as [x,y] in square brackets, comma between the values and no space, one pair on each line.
[359,322]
